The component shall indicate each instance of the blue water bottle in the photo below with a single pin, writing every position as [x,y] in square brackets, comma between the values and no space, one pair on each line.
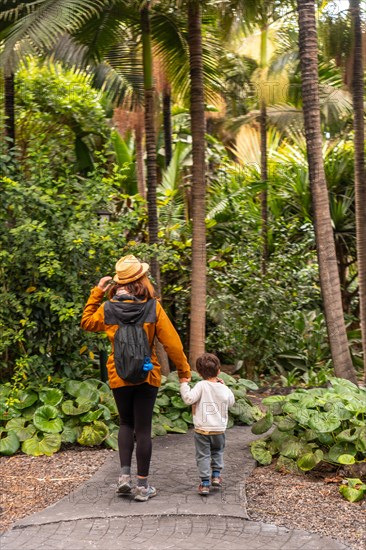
[147,365]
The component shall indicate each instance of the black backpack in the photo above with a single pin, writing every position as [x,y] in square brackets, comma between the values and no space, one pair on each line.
[131,345]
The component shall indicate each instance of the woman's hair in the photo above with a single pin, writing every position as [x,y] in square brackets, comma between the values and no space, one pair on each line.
[208,365]
[141,289]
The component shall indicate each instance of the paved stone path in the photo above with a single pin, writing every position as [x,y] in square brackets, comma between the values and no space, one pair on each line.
[94,517]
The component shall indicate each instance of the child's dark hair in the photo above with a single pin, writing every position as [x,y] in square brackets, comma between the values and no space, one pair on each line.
[208,365]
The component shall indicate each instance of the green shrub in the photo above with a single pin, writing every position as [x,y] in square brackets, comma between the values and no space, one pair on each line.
[38,420]
[314,426]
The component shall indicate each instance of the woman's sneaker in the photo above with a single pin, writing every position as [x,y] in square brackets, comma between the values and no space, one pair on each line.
[124,485]
[203,489]
[216,482]
[144,493]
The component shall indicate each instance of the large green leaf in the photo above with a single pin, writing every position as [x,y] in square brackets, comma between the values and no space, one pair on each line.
[112,439]
[173,386]
[357,406]
[340,449]
[279,438]
[239,392]
[96,384]
[352,494]
[25,398]
[93,434]
[236,409]
[285,423]
[287,464]
[263,425]
[4,391]
[17,425]
[51,396]
[9,444]
[324,422]
[6,413]
[107,399]
[162,400]
[173,414]
[48,444]
[187,417]
[346,459]
[325,438]
[174,429]
[106,413]
[86,392]
[293,448]
[229,380]
[70,434]
[178,402]
[309,460]
[248,384]
[260,452]
[91,416]
[273,399]
[247,413]
[348,435]
[72,387]
[29,412]
[69,408]
[300,414]
[361,442]
[46,419]
[158,429]
[179,423]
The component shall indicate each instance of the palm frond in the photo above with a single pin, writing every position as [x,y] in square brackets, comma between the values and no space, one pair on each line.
[46,21]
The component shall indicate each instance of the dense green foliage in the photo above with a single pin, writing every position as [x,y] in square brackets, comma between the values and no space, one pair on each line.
[54,248]
[38,418]
[313,426]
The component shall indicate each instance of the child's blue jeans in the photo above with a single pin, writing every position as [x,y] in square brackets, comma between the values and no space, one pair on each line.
[209,453]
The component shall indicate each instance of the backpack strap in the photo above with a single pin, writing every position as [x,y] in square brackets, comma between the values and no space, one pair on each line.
[113,317]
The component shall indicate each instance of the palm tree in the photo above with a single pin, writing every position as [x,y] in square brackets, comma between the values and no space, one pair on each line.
[198,128]
[329,276]
[149,92]
[257,36]
[360,173]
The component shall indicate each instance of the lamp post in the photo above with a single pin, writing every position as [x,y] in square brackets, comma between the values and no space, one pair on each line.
[104,216]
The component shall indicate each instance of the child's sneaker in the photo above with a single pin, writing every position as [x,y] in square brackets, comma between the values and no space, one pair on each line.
[144,493]
[124,485]
[216,482]
[203,489]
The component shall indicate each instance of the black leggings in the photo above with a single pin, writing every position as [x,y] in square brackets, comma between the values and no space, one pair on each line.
[135,407]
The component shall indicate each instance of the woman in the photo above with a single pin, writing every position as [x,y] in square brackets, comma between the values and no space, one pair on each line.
[128,293]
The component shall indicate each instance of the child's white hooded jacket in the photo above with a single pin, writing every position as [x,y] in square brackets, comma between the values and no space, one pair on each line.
[211,401]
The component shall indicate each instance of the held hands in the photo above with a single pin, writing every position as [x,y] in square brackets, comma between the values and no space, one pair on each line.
[105,283]
[182,380]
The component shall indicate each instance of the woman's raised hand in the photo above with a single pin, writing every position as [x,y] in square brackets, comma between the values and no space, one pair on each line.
[105,283]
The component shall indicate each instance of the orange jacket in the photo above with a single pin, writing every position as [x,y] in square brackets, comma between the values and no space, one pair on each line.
[93,321]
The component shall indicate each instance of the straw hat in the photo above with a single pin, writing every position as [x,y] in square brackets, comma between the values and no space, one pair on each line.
[129,269]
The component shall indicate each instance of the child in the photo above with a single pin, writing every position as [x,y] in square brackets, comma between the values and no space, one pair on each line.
[211,400]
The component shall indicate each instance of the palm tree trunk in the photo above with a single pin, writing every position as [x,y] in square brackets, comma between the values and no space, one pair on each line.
[197,109]
[263,142]
[360,172]
[139,134]
[328,269]
[264,178]
[151,164]
[167,122]
[9,90]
